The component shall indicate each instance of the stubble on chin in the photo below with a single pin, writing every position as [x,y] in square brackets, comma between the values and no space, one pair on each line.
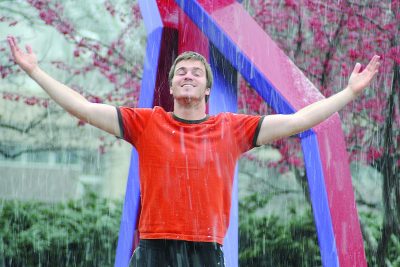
[189,100]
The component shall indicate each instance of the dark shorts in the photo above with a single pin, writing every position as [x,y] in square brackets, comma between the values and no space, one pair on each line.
[174,253]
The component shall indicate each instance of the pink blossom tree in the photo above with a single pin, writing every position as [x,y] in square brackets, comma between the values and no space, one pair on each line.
[115,64]
[325,39]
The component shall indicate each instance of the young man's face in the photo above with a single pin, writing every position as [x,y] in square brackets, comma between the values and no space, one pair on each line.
[190,81]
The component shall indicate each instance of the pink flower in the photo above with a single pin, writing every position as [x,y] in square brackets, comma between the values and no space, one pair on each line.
[38,4]
[315,23]
[295,161]
[290,3]
[136,11]
[353,54]
[344,70]
[374,153]
[112,78]
[129,83]
[102,149]
[101,63]
[48,16]
[65,28]
[394,53]
[110,8]
[95,99]
[31,101]
[378,117]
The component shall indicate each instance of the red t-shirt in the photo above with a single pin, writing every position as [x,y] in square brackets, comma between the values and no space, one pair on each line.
[186,170]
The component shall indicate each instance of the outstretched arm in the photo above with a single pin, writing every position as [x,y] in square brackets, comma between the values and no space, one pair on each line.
[279,126]
[99,115]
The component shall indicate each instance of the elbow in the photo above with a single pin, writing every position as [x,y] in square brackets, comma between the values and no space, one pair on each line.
[81,111]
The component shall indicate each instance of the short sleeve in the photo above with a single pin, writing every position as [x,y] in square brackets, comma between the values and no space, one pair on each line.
[132,122]
[246,129]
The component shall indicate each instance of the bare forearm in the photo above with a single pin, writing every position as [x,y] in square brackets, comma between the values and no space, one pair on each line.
[66,97]
[101,116]
[358,81]
[278,126]
[319,111]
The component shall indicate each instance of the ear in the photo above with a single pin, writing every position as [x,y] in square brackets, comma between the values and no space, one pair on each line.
[208,90]
[170,90]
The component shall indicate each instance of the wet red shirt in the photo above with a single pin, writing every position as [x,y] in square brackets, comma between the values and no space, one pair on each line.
[186,170]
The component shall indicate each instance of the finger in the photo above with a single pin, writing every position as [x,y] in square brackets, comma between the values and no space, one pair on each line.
[28,49]
[357,68]
[373,64]
[377,61]
[370,65]
[14,43]
[11,43]
[377,68]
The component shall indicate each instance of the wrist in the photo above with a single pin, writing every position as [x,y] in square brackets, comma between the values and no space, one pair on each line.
[32,73]
[352,94]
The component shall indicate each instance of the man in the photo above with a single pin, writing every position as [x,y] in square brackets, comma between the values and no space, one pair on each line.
[187,158]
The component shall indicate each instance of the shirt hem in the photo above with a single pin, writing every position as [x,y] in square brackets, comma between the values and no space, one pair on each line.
[218,240]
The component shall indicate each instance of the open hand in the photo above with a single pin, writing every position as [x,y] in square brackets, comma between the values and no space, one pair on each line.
[358,81]
[26,60]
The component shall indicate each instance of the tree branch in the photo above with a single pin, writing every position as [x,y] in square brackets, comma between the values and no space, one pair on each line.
[26,129]
[332,48]
[47,148]
[10,10]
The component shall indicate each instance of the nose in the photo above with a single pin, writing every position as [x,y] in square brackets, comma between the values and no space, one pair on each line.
[188,76]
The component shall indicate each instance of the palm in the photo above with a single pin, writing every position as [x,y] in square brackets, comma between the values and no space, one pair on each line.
[26,60]
[358,81]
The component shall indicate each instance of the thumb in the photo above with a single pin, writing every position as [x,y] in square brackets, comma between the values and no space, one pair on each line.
[28,49]
[357,68]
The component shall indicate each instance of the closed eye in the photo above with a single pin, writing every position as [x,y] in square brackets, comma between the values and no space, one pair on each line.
[197,72]
[180,72]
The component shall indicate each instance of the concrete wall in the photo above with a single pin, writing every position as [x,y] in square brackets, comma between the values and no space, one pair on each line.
[50,183]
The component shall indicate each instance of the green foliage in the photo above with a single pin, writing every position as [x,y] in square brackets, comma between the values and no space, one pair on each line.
[270,241]
[267,241]
[85,233]
[77,233]
[372,225]
[394,250]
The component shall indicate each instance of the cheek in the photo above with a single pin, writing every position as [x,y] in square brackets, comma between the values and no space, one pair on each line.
[175,81]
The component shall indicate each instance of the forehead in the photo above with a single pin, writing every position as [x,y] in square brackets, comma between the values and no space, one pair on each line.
[190,64]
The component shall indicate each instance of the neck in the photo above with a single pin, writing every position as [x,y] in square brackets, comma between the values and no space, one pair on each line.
[190,111]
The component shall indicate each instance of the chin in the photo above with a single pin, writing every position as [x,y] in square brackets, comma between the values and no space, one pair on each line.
[188,98]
